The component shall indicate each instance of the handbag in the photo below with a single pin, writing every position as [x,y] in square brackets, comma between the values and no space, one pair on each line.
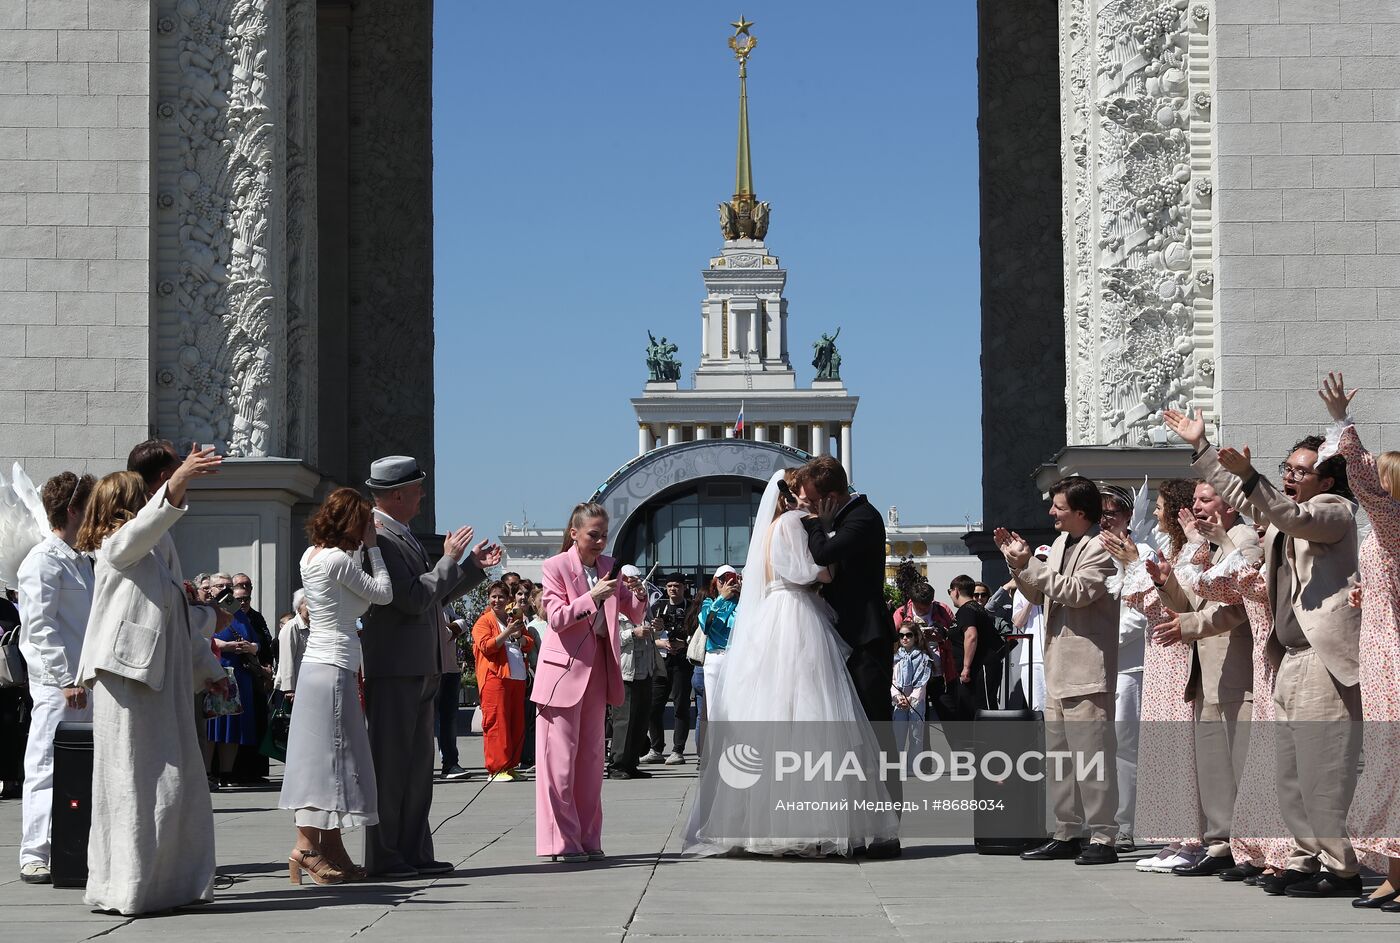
[13,671]
[216,705]
[279,724]
[695,648]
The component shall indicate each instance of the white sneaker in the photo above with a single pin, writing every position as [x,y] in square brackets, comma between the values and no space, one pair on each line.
[652,757]
[35,873]
[1149,864]
[675,759]
[1165,865]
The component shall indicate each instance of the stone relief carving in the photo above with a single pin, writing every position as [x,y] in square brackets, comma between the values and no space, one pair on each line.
[223,201]
[1131,296]
[301,251]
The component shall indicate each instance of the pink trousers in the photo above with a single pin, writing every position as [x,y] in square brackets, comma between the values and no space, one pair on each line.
[569,770]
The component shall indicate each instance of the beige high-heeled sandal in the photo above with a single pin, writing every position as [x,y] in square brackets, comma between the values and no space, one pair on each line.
[314,864]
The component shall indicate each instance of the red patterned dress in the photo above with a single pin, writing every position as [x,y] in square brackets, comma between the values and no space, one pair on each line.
[1374,820]
[1259,835]
[1168,806]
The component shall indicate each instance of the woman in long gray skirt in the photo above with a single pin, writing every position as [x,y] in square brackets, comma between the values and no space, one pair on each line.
[329,778]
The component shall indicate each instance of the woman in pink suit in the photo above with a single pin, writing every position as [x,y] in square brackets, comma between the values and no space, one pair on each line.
[579,675]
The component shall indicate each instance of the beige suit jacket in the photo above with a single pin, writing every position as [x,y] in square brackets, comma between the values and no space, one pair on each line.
[1081,616]
[1222,644]
[1319,537]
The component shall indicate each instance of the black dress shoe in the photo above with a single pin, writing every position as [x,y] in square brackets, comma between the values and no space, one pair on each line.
[1325,884]
[1280,881]
[1246,872]
[1208,865]
[1391,907]
[884,849]
[1375,903]
[434,867]
[1053,850]
[1097,853]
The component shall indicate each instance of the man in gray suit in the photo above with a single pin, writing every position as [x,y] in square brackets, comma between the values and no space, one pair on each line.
[402,648]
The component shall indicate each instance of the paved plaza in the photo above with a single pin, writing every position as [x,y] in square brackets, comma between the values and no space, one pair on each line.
[646,890]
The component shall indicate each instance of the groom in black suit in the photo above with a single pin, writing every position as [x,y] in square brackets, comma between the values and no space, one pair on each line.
[848,535]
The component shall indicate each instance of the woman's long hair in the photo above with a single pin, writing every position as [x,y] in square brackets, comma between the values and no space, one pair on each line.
[787,493]
[1177,494]
[116,499]
[340,521]
[1388,470]
[584,511]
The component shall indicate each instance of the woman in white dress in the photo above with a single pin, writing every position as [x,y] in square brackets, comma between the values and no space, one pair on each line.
[146,650]
[786,687]
[329,779]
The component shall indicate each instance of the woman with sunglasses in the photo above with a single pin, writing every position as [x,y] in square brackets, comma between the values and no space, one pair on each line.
[716,621]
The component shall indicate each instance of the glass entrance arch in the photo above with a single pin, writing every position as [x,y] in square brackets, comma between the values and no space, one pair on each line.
[693,529]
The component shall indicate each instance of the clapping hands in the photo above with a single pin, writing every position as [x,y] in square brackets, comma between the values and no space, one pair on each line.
[1013,547]
[1120,548]
[1236,462]
[1189,426]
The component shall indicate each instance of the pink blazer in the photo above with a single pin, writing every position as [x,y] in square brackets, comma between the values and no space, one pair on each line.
[567,656]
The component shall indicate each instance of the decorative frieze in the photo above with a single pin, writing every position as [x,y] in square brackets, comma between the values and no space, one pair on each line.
[220,222]
[1135,122]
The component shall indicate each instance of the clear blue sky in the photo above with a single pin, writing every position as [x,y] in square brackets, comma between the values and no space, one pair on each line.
[580,149]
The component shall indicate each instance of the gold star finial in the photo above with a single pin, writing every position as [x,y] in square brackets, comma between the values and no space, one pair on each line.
[741,27]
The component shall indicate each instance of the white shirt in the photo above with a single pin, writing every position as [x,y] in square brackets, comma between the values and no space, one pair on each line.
[55,598]
[339,591]
[600,628]
[515,661]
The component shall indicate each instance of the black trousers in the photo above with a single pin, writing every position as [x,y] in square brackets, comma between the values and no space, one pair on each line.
[870,671]
[672,684]
[449,691]
[629,723]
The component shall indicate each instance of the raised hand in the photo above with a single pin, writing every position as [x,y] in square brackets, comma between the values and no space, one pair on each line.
[456,543]
[370,537]
[1157,570]
[1335,396]
[200,462]
[485,554]
[1189,525]
[1013,548]
[1189,426]
[1236,462]
[1213,529]
[1120,549]
[1354,596]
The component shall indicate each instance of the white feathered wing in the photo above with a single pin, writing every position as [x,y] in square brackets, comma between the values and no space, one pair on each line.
[23,524]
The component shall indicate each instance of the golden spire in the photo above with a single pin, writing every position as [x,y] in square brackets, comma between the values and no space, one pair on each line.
[743,217]
[743,174]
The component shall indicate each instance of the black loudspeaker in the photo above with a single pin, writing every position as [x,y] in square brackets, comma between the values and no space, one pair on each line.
[72,804]
[1010,814]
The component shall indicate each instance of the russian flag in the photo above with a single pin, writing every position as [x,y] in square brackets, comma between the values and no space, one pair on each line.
[739,424]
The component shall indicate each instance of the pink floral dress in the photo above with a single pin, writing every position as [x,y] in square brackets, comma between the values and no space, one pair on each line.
[1374,819]
[1259,835]
[1168,807]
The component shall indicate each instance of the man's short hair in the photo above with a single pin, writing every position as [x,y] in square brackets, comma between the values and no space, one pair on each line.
[922,593]
[1334,467]
[962,585]
[825,475]
[1081,495]
[152,458]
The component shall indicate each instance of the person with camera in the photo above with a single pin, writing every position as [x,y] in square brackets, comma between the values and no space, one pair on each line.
[151,845]
[672,678]
[500,643]
[227,732]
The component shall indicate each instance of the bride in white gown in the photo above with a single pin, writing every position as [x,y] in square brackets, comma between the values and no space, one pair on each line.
[785,687]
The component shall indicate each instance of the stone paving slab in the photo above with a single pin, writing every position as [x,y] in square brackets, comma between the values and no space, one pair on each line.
[647,890]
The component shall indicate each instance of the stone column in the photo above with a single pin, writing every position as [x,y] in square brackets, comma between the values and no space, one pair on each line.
[760,432]
[819,444]
[643,438]
[702,431]
[790,435]
[673,434]
[846,459]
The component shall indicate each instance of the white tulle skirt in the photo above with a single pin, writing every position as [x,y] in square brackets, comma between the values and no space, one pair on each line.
[785,687]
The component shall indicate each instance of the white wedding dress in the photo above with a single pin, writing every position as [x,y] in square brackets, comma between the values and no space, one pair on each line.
[785,690]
